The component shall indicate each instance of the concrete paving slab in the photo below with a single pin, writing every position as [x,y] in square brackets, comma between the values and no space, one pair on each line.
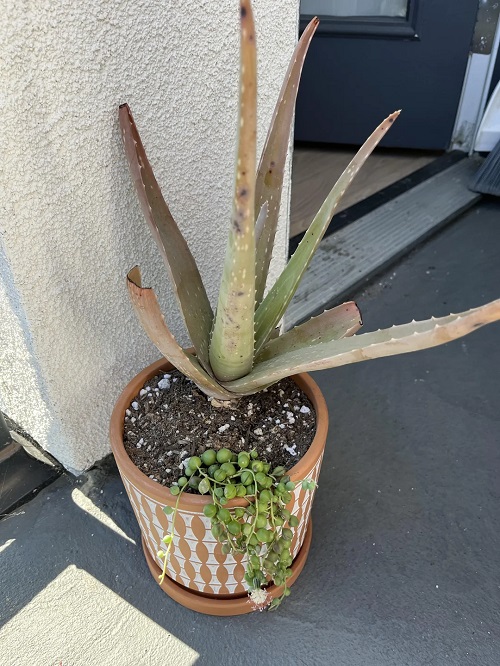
[404,566]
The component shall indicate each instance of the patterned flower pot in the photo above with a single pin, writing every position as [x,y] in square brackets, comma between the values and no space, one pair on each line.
[199,575]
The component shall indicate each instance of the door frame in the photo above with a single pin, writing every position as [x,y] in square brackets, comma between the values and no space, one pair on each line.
[373,26]
[478,75]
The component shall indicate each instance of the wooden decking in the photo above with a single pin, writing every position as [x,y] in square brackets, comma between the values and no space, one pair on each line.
[315,170]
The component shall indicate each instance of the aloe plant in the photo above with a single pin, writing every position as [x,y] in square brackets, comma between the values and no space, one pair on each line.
[239,349]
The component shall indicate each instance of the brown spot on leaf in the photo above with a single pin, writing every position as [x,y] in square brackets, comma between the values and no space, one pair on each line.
[243,12]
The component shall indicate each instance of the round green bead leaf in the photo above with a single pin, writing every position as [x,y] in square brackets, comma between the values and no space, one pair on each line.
[167,510]
[230,491]
[224,455]
[228,468]
[264,536]
[210,510]
[261,521]
[220,475]
[265,495]
[204,486]
[260,477]
[194,482]
[234,527]
[194,462]
[216,530]
[224,515]
[243,459]
[208,457]
[212,469]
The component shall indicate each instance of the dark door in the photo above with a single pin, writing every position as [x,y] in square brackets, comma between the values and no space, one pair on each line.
[360,67]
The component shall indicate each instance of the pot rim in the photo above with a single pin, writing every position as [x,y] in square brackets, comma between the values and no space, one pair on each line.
[192,502]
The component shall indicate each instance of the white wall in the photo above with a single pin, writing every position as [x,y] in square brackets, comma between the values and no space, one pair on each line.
[70,224]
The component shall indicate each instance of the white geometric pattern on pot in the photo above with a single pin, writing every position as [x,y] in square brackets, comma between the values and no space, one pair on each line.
[196,560]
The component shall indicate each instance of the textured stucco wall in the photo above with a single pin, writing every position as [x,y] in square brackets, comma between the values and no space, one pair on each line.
[70,224]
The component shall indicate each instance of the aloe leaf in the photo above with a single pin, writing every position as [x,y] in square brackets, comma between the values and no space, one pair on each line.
[388,342]
[272,163]
[186,279]
[260,221]
[232,343]
[339,322]
[272,308]
[149,314]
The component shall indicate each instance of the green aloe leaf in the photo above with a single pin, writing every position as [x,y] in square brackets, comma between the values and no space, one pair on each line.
[149,314]
[272,308]
[260,221]
[232,343]
[272,163]
[182,268]
[388,342]
[339,322]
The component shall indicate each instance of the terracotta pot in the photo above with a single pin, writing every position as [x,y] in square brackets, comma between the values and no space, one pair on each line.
[200,576]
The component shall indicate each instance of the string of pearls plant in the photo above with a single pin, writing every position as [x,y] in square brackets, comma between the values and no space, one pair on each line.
[262,529]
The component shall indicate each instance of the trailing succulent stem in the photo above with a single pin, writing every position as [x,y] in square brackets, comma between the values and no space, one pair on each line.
[261,528]
[240,351]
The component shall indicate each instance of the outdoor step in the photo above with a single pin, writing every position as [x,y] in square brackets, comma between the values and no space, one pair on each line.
[349,257]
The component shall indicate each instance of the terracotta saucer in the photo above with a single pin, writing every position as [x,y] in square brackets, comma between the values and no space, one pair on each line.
[227,605]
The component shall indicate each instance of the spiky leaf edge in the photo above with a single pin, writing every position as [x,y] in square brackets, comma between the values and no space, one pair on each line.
[151,318]
[400,339]
[183,271]
[271,169]
[272,308]
[334,324]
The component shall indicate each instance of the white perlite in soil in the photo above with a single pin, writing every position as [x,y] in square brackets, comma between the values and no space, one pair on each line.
[171,419]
